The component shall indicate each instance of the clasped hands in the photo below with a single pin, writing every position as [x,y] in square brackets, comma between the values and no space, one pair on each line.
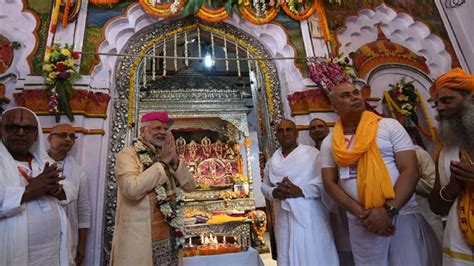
[46,183]
[377,221]
[168,151]
[286,189]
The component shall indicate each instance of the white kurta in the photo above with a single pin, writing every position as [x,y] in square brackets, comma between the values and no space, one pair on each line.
[413,238]
[39,228]
[456,251]
[32,227]
[302,228]
[78,211]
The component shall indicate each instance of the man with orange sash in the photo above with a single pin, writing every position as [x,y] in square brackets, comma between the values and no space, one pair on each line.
[453,192]
[150,198]
[369,167]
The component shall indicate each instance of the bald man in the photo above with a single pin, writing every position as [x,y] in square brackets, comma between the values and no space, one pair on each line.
[33,225]
[61,140]
[369,167]
[292,182]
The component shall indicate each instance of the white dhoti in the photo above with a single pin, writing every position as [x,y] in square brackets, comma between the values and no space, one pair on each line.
[302,228]
[456,252]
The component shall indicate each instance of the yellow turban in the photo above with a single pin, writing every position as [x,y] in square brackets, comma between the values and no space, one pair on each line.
[455,79]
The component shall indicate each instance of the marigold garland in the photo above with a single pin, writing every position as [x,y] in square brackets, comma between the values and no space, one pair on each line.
[67,7]
[55,18]
[211,14]
[172,209]
[249,14]
[300,15]
[162,11]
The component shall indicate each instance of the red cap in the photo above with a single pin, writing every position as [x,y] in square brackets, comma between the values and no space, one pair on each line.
[160,116]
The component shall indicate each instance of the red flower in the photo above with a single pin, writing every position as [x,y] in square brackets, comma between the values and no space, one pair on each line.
[75,55]
[178,234]
[60,66]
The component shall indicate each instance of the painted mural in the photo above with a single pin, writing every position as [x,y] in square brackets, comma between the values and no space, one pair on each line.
[421,10]
[42,9]
[97,17]
[293,30]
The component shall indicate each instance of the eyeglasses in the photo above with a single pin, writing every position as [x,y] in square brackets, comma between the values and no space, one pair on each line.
[28,129]
[64,135]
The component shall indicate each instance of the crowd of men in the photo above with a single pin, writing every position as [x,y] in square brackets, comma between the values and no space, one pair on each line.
[389,194]
[364,194]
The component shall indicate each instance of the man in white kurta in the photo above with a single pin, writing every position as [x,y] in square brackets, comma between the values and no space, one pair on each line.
[61,139]
[293,185]
[33,225]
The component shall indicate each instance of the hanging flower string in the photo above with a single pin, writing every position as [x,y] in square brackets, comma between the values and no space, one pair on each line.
[186,60]
[164,58]
[172,209]
[144,70]
[212,46]
[239,75]
[153,63]
[176,52]
[55,18]
[199,43]
[249,63]
[226,56]
[67,7]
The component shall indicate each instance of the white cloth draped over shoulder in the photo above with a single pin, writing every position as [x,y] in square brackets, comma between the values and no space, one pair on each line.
[455,250]
[13,214]
[302,226]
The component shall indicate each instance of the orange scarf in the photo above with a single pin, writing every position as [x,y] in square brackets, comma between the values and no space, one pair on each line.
[466,207]
[373,180]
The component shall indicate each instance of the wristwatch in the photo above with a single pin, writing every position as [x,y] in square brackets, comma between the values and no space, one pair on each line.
[391,211]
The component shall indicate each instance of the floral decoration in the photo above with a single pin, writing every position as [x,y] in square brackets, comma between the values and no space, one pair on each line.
[403,97]
[172,209]
[59,70]
[329,71]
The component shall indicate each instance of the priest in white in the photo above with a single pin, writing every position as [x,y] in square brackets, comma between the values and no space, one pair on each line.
[33,225]
[61,140]
[293,184]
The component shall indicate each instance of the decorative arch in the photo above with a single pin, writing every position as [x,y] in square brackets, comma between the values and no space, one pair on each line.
[120,29]
[125,77]
[401,29]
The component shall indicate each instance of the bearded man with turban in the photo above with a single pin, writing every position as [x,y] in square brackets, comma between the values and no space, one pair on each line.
[151,180]
[453,192]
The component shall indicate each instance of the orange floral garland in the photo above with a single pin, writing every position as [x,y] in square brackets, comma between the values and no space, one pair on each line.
[162,11]
[247,12]
[322,20]
[54,20]
[212,14]
[302,15]
[67,7]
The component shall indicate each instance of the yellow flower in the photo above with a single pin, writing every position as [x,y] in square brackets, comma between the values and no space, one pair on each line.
[48,67]
[53,75]
[69,62]
[47,57]
[65,52]
[402,98]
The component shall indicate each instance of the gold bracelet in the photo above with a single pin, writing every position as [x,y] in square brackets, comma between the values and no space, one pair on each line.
[443,190]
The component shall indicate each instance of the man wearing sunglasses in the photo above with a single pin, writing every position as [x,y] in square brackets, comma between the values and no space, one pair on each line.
[33,225]
[61,140]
